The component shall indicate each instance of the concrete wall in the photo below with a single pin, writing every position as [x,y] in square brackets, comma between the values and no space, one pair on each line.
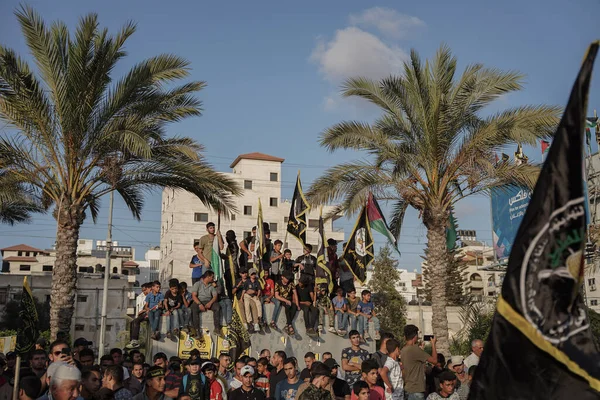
[88,304]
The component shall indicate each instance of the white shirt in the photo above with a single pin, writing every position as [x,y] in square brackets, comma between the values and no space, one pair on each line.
[470,361]
[395,375]
[140,301]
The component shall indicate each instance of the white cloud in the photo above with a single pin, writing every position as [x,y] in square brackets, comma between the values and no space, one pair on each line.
[354,52]
[387,21]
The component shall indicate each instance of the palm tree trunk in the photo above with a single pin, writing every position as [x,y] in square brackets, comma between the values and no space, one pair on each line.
[437,257]
[64,275]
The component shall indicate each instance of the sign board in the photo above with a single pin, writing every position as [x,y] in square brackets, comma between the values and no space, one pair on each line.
[508,208]
[188,343]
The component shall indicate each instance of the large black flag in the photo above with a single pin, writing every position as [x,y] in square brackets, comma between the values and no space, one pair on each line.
[358,251]
[540,345]
[298,211]
[28,333]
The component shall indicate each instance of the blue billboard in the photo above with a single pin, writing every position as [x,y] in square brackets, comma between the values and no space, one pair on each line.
[508,209]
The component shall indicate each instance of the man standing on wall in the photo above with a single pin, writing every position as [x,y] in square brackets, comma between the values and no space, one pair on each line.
[206,244]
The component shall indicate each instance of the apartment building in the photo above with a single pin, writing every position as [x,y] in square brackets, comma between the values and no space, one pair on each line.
[184,217]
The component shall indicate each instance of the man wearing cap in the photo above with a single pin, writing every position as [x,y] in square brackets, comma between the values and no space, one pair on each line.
[172,379]
[155,385]
[457,365]
[205,297]
[341,389]
[11,360]
[251,295]
[247,391]
[194,383]
[65,381]
[318,388]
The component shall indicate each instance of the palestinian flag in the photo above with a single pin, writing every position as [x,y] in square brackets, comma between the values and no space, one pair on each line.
[215,257]
[541,344]
[451,234]
[545,146]
[377,220]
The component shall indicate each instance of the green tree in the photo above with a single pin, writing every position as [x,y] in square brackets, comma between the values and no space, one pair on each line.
[431,148]
[10,316]
[77,132]
[16,202]
[390,305]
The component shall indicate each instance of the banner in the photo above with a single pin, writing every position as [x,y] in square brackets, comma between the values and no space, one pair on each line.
[508,209]
[224,346]
[187,343]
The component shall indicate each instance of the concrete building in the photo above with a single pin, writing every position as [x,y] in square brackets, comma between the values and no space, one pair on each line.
[149,266]
[406,286]
[184,217]
[88,303]
[592,294]
[23,259]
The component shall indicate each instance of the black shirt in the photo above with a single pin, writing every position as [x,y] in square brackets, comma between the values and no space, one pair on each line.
[173,300]
[275,378]
[304,293]
[310,262]
[241,394]
[305,374]
[340,389]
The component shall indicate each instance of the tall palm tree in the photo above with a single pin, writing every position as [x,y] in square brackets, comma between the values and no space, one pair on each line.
[430,148]
[17,203]
[77,134]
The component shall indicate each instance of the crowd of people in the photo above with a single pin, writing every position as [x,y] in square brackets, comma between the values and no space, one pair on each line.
[276,281]
[394,372]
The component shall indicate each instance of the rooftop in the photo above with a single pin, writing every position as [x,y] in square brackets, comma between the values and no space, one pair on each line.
[256,156]
[17,258]
[23,247]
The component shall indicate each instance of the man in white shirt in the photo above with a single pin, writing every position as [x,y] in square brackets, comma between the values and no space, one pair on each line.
[477,349]
[142,315]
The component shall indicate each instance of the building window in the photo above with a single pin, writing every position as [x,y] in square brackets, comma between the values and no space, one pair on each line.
[26,254]
[171,246]
[273,226]
[83,269]
[47,298]
[82,299]
[273,201]
[313,223]
[172,220]
[108,328]
[20,253]
[24,267]
[594,302]
[248,185]
[3,296]
[200,217]
[273,177]
[592,281]
[286,219]
[233,217]
[47,268]
[247,210]
[79,327]
[115,270]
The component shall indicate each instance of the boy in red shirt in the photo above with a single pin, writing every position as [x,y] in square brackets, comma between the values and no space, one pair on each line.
[216,389]
[369,370]
[268,293]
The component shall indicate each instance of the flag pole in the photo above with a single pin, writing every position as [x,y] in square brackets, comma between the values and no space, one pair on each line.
[15,393]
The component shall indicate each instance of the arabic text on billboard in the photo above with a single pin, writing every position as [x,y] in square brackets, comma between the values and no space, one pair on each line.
[508,209]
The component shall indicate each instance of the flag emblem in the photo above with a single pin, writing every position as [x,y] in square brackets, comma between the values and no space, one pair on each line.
[361,247]
[558,246]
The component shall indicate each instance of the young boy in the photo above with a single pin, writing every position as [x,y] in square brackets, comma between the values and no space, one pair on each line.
[324,305]
[369,370]
[287,264]
[268,297]
[285,293]
[154,304]
[447,381]
[340,308]
[194,383]
[276,260]
[214,386]
[261,380]
[251,295]
[186,312]
[366,314]
[306,299]
[391,372]
[360,391]
[172,305]
[352,308]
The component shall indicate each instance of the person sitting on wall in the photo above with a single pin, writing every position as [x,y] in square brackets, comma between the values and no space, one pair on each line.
[205,297]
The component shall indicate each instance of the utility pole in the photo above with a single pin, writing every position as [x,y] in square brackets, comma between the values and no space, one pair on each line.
[103,343]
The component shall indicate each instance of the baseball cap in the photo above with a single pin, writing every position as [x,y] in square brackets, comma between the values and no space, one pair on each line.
[194,361]
[154,372]
[456,360]
[82,342]
[331,363]
[10,355]
[252,271]
[247,369]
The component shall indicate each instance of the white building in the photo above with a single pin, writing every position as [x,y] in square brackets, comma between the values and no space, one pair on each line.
[406,286]
[149,266]
[184,217]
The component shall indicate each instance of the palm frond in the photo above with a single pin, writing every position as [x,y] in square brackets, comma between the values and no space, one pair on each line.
[398,213]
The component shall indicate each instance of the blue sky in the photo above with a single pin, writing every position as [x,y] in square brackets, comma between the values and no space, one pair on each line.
[273,71]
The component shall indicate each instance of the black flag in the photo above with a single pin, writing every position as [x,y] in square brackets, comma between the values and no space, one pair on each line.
[298,211]
[358,252]
[541,345]
[28,333]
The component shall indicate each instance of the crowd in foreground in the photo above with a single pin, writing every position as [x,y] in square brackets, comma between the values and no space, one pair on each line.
[59,372]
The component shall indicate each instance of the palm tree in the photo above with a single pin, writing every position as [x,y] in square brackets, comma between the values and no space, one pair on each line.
[430,148]
[77,134]
[16,202]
